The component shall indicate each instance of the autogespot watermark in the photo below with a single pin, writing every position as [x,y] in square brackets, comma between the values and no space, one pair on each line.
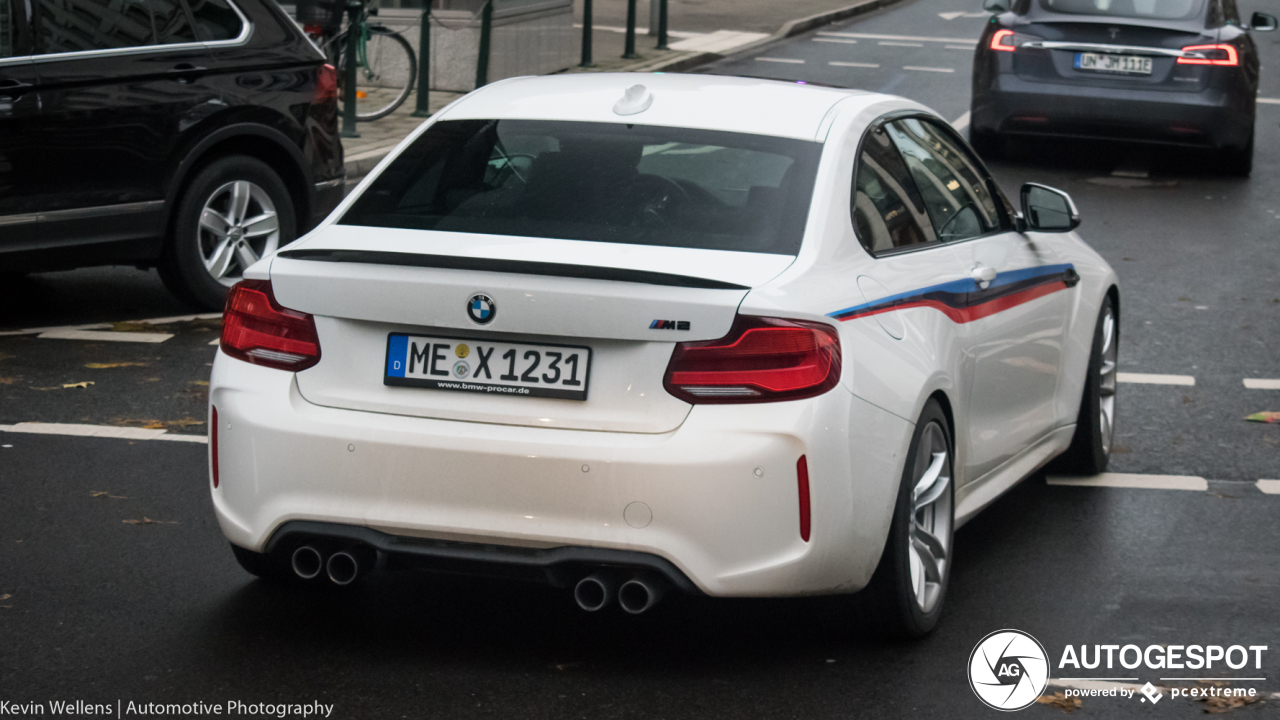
[1009,670]
[133,708]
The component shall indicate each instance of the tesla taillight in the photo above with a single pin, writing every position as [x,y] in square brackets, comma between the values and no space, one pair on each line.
[1210,55]
[760,360]
[327,83]
[256,329]
[998,41]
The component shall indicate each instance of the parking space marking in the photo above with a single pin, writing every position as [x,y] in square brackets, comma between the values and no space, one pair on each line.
[838,63]
[928,69]
[958,47]
[1261,384]
[1151,379]
[103,431]
[1269,101]
[836,40]
[106,336]
[908,38]
[893,43]
[781,60]
[1270,487]
[961,122]
[1125,480]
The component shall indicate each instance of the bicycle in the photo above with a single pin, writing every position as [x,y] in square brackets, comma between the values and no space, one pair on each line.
[386,66]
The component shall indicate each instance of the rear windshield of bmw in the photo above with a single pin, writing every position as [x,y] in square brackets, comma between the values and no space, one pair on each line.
[605,182]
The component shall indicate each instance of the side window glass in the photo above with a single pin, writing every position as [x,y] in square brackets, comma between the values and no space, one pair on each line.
[888,212]
[8,31]
[954,187]
[1230,13]
[172,24]
[76,25]
[215,20]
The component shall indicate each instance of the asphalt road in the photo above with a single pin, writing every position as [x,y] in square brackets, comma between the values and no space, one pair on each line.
[94,606]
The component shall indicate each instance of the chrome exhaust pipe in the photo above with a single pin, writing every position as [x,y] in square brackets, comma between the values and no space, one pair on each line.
[343,568]
[307,562]
[638,595]
[593,592]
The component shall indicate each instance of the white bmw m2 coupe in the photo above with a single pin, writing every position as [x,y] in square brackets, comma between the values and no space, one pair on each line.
[635,334]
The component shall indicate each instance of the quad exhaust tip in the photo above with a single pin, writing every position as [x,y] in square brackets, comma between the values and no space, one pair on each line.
[307,562]
[638,595]
[593,592]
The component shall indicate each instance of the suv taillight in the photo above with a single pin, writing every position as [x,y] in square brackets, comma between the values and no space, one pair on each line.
[760,360]
[257,330]
[327,83]
[1212,55]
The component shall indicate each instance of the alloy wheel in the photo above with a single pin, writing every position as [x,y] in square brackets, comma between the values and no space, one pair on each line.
[931,516]
[238,225]
[1107,381]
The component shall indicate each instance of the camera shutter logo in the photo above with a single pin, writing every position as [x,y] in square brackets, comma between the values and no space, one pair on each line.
[481,309]
[1008,670]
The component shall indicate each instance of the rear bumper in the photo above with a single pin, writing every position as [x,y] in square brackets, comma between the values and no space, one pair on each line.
[719,494]
[1211,118]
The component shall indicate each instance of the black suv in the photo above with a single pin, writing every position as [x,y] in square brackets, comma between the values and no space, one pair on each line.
[190,135]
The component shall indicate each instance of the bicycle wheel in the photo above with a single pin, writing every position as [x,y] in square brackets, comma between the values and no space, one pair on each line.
[385,73]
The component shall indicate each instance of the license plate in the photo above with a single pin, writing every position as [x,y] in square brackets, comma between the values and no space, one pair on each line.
[481,366]
[1105,62]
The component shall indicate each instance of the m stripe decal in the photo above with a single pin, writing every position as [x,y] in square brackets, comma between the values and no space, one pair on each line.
[963,301]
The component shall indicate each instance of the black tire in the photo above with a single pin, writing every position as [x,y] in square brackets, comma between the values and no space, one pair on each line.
[258,565]
[1238,163]
[988,145]
[889,604]
[1090,449]
[182,265]
[411,61]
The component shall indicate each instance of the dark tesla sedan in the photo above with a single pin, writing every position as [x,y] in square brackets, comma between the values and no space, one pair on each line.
[1177,72]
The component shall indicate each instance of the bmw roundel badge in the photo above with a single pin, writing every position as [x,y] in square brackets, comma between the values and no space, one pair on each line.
[481,308]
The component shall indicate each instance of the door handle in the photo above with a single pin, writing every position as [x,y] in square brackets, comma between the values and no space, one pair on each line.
[182,69]
[983,275]
[11,84]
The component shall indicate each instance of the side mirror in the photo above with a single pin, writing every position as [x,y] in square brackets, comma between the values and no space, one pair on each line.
[1047,209]
[995,6]
[1262,22]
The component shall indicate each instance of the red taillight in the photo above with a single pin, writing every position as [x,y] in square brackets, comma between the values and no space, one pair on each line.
[257,330]
[998,41]
[327,83]
[213,445]
[802,480]
[760,360]
[1213,55]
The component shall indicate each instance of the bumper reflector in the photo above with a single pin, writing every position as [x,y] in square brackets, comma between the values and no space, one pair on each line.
[802,478]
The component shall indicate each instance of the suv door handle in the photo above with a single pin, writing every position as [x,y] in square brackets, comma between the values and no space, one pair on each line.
[983,275]
[182,69]
[11,84]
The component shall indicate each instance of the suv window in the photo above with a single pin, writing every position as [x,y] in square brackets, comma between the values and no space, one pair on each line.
[215,20]
[77,25]
[954,189]
[172,24]
[888,212]
[8,31]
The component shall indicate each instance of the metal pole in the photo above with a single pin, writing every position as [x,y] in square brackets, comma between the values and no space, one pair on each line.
[662,24]
[586,35]
[630,52]
[423,106]
[653,17]
[482,62]
[349,92]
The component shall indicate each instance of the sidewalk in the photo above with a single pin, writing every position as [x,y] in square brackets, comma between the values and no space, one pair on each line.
[700,33]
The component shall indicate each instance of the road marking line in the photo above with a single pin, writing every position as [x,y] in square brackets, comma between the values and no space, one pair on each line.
[1150,379]
[99,326]
[216,341]
[1270,487]
[104,431]
[106,336]
[958,47]
[836,40]
[928,69]
[1269,101]
[781,60]
[915,38]
[961,122]
[1124,480]
[720,41]
[1261,384]
[837,63]
[900,44]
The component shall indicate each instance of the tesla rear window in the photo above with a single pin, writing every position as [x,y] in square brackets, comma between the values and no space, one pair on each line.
[1156,9]
[606,182]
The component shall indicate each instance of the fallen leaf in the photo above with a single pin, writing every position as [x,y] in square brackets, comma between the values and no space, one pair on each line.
[157,425]
[104,366]
[132,327]
[1060,701]
[184,422]
[1264,417]
[200,382]
[5,596]
[1216,704]
[6,381]
[148,521]
[104,493]
[84,384]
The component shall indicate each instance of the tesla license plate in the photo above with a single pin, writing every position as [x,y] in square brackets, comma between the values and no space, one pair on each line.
[1124,64]
[496,368]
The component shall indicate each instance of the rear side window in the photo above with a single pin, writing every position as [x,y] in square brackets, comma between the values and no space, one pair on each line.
[888,211]
[8,30]
[215,20]
[77,25]
[954,190]
[172,24]
[606,182]
[1154,9]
